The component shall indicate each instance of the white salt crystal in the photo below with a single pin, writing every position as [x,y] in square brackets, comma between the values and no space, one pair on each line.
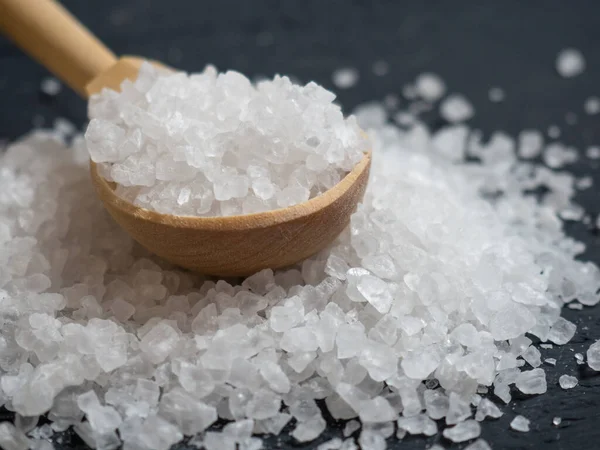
[533,356]
[556,421]
[159,342]
[520,423]
[592,105]
[593,152]
[553,131]
[430,87]
[345,78]
[486,408]
[593,356]
[371,440]
[530,143]
[570,62]
[479,444]
[551,361]
[562,331]
[309,430]
[532,381]
[350,427]
[50,86]
[464,431]
[458,409]
[567,381]
[496,94]
[11,438]
[456,108]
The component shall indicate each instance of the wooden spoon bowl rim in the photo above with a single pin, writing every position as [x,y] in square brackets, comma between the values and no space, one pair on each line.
[238,222]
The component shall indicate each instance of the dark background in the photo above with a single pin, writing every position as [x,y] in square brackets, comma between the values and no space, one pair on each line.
[472,44]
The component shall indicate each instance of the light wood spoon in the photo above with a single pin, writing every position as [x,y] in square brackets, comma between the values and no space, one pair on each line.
[225,246]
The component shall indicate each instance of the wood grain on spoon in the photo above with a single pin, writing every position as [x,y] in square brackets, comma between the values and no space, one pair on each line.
[226,246]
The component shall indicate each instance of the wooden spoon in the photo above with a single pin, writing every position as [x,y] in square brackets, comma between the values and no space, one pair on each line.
[226,246]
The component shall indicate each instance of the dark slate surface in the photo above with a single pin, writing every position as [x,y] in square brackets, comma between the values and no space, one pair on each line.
[472,44]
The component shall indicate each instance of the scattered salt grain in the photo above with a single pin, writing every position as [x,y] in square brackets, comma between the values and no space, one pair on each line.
[593,152]
[531,381]
[553,131]
[550,361]
[593,356]
[11,438]
[556,421]
[479,444]
[530,143]
[520,423]
[464,431]
[570,62]
[456,108]
[430,87]
[496,94]
[345,78]
[50,86]
[592,105]
[567,381]
[578,358]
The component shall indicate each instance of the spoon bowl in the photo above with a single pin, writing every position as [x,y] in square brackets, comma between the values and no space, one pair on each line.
[225,246]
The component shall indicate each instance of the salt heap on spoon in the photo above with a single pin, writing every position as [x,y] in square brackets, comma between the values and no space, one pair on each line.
[213,144]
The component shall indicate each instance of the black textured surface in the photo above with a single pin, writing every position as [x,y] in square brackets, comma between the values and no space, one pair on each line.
[472,44]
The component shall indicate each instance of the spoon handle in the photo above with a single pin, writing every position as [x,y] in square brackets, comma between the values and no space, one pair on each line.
[50,34]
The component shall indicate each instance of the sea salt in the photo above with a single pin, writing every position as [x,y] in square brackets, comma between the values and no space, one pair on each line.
[231,148]
[570,62]
[456,108]
[567,381]
[417,310]
[593,356]
[463,431]
[430,87]
[556,421]
[592,105]
[345,78]
[520,423]
[496,94]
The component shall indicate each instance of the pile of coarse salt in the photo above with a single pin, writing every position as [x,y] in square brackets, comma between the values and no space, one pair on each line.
[414,320]
[214,144]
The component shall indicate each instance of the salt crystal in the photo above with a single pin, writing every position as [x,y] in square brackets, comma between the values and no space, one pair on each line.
[593,356]
[496,94]
[567,381]
[520,423]
[530,143]
[550,361]
[479,444]
[570,62]
[345,78]
[556,421]
[593,152]
[532,381]
[458,409]
[50,86]
[430,87]
[371,440]
[553,132]
[592,105]
[350,427]
[533,356]
[456,108]
[11,438]
[464,431]
[562,331]
[486,408]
